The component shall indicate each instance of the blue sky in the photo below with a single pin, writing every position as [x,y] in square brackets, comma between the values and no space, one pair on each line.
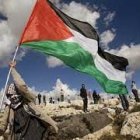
[117,23]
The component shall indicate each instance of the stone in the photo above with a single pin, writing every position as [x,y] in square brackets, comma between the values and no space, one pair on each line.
[131,125]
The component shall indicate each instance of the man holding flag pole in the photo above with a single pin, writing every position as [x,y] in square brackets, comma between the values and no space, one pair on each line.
[22,118]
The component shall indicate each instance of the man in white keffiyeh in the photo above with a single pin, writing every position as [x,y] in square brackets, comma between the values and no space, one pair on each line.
[13,96]
[22,119]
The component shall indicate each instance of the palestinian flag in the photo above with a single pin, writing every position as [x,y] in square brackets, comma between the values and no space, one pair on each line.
[52,32]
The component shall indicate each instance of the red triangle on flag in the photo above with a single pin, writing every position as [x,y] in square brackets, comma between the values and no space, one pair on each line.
[44,24]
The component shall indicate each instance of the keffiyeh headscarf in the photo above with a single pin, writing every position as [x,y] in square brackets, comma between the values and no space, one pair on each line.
[13,96]
[11,89]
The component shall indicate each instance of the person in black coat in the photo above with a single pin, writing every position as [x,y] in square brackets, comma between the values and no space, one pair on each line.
[44,99]
[95,97]
[124,102]
[39,98]
[83,94]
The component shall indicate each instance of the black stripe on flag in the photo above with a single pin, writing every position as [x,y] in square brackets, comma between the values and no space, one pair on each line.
[118,62]
[82,27]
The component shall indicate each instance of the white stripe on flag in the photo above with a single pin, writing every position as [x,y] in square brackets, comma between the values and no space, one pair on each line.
[107,68]
[102,65]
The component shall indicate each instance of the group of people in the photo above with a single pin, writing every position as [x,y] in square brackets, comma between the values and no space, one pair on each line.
[83,93]
[124,100]
[23,120]
[96,97]
[39,96]
[51,100]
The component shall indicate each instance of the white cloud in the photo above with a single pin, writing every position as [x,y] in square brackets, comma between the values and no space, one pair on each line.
[11,29]
[57,89]
[81,12]
[61,87]
[109,18]
[107,37]
[5,99]
[5,42]
[54,62]
[33,90]
[56,2]
[129,74]
[17,13]
[131,52]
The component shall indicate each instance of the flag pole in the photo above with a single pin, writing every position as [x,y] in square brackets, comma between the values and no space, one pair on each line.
[8,76]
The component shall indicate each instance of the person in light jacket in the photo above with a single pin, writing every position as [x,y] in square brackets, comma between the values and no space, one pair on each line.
[22,119]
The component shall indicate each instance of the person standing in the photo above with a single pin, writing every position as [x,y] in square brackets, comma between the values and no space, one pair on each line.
[135,91]
[68,99]
[94,96]
[58,100]
[39,98]
[50,100]
[83,94]
[62,95]
[98,98]
[44,99]
[124,102]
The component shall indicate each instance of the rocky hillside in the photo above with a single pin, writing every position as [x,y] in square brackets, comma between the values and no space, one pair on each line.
[105,121]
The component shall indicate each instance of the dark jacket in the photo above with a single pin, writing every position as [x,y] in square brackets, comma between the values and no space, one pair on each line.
[83,93]
[29,102]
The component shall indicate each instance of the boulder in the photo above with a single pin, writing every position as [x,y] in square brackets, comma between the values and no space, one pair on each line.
[131,125]
[111,102]
[77,126]
[107,130]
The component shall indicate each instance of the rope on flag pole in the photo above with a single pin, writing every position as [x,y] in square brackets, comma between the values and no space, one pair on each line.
[8,76]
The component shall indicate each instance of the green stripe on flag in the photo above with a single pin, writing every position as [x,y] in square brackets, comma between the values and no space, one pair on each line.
[76,57]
